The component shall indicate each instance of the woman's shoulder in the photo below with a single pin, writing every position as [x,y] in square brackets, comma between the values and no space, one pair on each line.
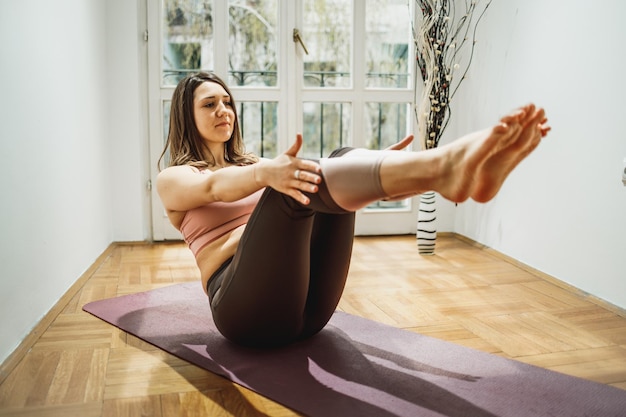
[176,170]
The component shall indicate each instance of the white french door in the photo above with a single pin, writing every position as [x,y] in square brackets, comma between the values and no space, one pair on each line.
[338,71]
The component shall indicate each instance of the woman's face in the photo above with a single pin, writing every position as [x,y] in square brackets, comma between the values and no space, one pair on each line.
[213,112]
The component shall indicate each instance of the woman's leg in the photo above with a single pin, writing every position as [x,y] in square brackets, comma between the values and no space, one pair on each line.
[331,252]
[289,271]
[474,166]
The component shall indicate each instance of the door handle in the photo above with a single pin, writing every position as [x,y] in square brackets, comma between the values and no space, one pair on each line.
[298,39]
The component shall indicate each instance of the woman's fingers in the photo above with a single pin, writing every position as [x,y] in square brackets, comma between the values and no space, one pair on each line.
[301,198]
[303,175]
[402,144]
[309,173]
[309,187]
[295,147]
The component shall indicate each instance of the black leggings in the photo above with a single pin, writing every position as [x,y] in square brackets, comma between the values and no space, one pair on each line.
[291,265]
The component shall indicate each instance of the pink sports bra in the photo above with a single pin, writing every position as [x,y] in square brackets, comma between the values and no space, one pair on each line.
[204,224]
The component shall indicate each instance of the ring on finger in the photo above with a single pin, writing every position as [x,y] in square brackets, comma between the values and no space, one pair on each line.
[296,174]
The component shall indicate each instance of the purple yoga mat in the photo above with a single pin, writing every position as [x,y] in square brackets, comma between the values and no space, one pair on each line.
[358,367]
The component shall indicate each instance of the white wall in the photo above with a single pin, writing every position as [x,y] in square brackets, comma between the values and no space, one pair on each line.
[564,210]
[70,132]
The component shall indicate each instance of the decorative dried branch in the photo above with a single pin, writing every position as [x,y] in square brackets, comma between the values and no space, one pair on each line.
[439,38]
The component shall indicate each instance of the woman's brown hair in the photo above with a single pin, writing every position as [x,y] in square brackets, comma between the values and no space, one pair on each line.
[184,141]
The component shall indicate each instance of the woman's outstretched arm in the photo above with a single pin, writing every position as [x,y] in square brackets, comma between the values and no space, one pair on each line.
[183,188]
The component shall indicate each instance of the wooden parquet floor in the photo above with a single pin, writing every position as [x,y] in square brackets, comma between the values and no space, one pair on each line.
[81,366]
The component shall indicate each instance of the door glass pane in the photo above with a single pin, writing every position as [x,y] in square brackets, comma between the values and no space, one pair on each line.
[387,124]
[326,128]
[253,42]
[258,124]
[327,33]
[187,38]
[387,43]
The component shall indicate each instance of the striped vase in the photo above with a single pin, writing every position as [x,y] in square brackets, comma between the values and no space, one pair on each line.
[426,224]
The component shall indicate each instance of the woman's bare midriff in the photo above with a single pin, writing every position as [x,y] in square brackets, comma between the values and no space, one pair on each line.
[213,255]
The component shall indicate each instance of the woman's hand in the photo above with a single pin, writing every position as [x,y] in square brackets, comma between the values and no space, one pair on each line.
[291,175]
[401,145]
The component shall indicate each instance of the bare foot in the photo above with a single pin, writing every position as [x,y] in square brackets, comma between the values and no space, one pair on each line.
[492,174]
[464,159]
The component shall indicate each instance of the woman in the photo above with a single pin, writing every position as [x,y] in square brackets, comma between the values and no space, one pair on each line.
[273,237]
